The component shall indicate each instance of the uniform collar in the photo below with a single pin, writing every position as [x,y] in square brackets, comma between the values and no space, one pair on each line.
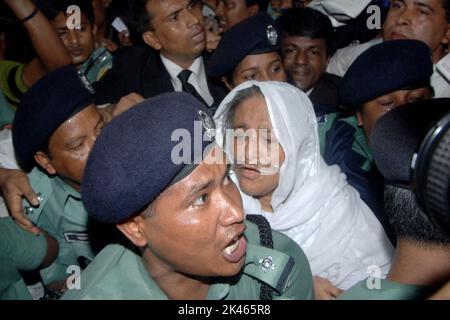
[63,190]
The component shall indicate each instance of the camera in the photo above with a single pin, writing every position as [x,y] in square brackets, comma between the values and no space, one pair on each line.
[431,174]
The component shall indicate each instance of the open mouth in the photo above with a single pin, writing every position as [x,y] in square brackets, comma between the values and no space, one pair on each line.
[236,249]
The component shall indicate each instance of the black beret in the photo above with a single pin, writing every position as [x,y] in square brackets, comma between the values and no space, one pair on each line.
[384,68]
[131,162]
[397,136]
[255,35]
[46,105]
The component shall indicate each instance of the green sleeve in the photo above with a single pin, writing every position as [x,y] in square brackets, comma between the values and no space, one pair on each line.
[23,249]
[300,282]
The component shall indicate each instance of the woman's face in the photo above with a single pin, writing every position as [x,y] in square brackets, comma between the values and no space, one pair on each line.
[257,153]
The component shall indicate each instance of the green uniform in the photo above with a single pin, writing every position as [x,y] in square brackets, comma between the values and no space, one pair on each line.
[62,214]
[19,250]
[96,66]
[359,146]
[387,290]
[118,273]
[12,89]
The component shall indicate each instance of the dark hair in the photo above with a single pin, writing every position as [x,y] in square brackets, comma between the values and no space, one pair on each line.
[408,220]
[51,8]
[262,4]
[140,16]
[446,5]
[240,97]
[308,23]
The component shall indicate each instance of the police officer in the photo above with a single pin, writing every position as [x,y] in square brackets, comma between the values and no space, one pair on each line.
[384,77]
[422,258]
[53,132]
[248,51]
[173,200]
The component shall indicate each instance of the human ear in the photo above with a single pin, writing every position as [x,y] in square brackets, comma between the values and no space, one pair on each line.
[227,83]
[44,161]
[359,116]
[132,229]
[446,38]
[152,40]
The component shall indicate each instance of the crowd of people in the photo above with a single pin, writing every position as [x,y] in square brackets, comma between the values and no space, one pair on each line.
[294,182]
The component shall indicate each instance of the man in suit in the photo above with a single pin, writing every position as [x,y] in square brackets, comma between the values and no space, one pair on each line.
[171,60]
[307,36]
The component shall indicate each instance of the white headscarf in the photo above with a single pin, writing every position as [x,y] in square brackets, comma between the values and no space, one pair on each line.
[313,203]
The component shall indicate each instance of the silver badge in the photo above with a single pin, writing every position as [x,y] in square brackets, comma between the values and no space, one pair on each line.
[84,80]
[207,124]
[272,35]
[267,263]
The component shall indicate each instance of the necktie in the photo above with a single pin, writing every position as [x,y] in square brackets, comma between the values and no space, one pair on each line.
[189,88]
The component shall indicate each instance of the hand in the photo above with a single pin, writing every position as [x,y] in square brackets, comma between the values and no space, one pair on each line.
[14,185]
[324,289]
[125,103]
[212,32]
[124,39]
[110,45]
[442,294]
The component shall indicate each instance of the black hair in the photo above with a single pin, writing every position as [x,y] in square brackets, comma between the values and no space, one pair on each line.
[262,4]
[141,17]
[409,221]
[308,23]
[446,5]
[240,97]
[51,8]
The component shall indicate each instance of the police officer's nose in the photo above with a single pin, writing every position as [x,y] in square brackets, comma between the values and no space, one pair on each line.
[232,211]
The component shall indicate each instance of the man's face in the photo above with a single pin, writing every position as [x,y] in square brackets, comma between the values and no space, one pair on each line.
[178,29]
[422,20]
[80,43]
[371,111]
[261,67]
[231,12]
[305,60]
[196,226]
[70,145]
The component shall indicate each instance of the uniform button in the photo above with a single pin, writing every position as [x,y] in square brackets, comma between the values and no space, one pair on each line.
[267,263]
[28,210]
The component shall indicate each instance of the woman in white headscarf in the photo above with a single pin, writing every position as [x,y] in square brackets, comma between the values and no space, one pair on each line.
[298,193]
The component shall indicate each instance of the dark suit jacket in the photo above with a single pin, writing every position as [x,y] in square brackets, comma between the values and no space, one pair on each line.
[325,94]
[140,69]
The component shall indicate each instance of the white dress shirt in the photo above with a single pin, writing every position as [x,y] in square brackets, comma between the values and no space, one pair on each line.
[197,78]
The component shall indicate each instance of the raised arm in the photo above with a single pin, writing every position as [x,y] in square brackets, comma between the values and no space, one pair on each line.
[50,50]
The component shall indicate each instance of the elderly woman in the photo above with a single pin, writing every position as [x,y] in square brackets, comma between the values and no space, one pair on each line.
[269,132]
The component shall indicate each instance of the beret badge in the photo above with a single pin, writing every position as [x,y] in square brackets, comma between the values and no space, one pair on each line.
[84,80]
[207,124]
[272,35]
